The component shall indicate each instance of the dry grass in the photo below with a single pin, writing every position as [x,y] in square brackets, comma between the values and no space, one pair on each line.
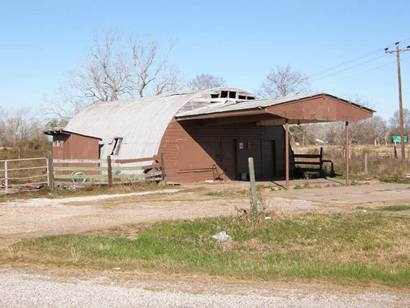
[83,191]
[380,160]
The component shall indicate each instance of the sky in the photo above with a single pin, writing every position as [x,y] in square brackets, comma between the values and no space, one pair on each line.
[337,44]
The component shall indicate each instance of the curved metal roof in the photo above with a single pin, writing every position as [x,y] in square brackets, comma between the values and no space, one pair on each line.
[141,122]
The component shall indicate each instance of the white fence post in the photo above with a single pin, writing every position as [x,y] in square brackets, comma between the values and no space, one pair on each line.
[6,178]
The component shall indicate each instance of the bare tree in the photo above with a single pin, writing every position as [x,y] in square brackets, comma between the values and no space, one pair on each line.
[106,75]
[63,104]
[394,122]
[369,131]
[283,81]
[20,128]
[115,70]
[151,69]
[205,81]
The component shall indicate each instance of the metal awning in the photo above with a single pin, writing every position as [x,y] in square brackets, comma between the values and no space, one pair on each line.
[311,108]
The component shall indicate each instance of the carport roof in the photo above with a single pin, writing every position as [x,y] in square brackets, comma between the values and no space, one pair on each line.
[307,108]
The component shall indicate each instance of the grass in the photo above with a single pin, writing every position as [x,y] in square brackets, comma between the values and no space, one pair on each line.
[356,248]
[396,208]
[394,179]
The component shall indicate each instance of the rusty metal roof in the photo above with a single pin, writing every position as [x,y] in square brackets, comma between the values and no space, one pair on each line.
[234,105]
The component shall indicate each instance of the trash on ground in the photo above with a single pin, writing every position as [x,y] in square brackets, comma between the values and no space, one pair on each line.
[222,236]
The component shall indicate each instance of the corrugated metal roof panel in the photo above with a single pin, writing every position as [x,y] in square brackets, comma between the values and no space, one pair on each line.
[141,123]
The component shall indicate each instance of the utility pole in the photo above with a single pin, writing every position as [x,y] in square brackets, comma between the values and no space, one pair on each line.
[397,51]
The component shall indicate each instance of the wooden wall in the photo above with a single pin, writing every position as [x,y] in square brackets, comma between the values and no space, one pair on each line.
[75,146]
[194,151]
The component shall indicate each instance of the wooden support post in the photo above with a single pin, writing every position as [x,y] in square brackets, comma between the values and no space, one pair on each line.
[162,162]
[322,174]
[50,172]
[6,177]
[254,197]
[365,163]
[109,171]
[287,154]
[347,152]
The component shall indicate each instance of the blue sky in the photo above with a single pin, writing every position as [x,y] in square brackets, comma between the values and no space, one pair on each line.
[41,41]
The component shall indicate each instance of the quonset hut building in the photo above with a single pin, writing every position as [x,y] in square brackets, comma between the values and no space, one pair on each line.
[203,135]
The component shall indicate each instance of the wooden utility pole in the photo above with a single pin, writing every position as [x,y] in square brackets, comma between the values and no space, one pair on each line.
[397,52]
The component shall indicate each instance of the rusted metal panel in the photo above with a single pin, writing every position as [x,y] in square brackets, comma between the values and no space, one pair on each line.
[194,152]
[310,108]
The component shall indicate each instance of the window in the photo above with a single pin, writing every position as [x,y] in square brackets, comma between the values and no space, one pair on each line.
[232,94]
[224,94]
[250,97]
[215,95]
[58,141]
[242,97]
[117,146]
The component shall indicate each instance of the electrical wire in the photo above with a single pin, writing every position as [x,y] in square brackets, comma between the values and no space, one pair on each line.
[352,63]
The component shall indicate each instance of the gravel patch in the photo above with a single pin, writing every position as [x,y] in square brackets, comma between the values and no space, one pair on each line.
[31,290]
[42,202]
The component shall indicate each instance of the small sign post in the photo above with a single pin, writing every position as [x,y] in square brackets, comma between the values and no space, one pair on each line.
[254,197]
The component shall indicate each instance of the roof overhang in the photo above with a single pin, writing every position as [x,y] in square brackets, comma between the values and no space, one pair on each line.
[316,108]
[55,131]
[59,131]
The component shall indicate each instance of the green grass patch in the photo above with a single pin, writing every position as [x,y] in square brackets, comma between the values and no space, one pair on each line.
[365,248]
[394,179]
[215,194]
[396,208]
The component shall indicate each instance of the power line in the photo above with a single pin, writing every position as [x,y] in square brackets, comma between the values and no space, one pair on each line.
[335,69]
[352,66]
[347,62]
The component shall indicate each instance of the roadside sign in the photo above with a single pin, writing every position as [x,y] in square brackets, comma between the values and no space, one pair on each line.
[397,139]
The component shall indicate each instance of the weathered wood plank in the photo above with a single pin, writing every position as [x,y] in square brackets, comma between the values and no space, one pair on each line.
[77,161]
[136,160]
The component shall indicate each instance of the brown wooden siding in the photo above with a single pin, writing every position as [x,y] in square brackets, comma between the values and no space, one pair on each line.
[75,146]
[197,152]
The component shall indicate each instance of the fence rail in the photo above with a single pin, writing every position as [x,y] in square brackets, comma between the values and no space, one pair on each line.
[109,171]
[23,174]
[312,163]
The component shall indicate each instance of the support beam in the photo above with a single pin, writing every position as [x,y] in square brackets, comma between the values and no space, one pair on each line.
[347,152]
[287,154]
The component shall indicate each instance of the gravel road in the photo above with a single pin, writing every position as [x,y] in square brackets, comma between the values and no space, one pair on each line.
[19,289]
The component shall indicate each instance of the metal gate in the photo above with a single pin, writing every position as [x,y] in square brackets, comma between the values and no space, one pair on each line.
[23,174]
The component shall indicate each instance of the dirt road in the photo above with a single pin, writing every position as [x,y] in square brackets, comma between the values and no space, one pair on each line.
[22,289]
[36,217]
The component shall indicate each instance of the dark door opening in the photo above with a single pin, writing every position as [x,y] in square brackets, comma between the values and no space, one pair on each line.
[268,151]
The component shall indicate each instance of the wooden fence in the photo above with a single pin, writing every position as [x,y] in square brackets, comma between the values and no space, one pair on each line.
[108,171]
[312,163]
[24,174]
